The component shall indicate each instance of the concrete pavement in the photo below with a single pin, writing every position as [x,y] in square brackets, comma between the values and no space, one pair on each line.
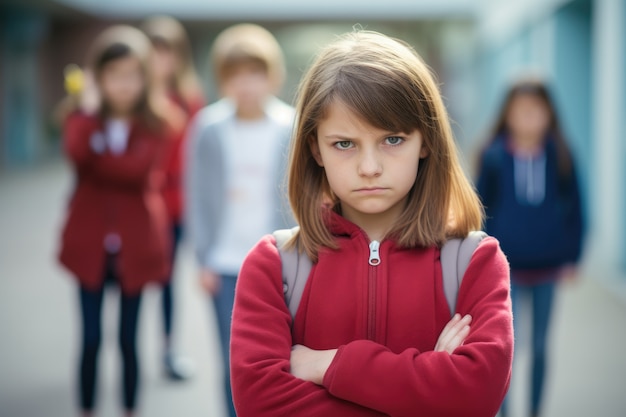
[39,322]
[39,328]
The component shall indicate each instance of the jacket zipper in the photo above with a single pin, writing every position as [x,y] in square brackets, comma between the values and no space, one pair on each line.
[374,261]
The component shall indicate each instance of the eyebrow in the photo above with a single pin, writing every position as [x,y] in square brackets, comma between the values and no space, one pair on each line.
[343,137]
[337,136]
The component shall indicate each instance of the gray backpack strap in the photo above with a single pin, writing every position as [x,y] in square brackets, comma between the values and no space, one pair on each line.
[455,258]
[296,266]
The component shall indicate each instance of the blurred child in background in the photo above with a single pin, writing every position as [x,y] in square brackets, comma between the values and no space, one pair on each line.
[236,161]
[527,181]
[174,81]
[116,226]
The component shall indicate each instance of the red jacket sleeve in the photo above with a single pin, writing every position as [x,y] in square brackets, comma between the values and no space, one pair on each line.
[470,382]
[77,132]
[261,348]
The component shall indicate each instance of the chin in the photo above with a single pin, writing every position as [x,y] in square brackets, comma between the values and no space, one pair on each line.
[373,209]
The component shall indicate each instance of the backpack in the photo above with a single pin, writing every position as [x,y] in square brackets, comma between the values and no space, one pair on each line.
[296,266]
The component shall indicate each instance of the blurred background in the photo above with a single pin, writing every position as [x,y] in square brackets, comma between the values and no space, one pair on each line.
[474,46]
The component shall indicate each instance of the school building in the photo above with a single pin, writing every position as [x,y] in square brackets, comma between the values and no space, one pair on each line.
[475,46]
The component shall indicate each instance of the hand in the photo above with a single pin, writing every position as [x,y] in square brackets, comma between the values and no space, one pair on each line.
[569,273]
[89,99]
[210,281]
[311,365]
[454,334]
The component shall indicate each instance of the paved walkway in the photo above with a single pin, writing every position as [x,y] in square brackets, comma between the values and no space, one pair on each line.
[39,322]
[39,328]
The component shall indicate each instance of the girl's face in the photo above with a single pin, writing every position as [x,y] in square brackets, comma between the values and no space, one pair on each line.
[122,84]
[164,64]
[528,117]
[370,170]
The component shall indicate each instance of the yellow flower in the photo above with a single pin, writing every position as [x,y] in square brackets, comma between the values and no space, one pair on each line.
[74,79]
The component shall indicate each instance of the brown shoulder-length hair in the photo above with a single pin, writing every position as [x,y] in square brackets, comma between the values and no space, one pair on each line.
[119,42]
[537,87]
[167,32]
[385,82]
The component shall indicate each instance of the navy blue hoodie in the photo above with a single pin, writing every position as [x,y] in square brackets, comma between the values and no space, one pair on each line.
[539,225]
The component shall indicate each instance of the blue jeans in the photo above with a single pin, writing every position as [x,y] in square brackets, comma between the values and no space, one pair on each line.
[167,297]
[223,302]
[91,308]
[542,296]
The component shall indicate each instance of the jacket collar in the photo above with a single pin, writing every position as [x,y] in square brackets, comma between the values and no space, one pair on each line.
[339,225]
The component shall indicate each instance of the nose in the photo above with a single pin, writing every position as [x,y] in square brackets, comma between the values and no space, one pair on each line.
[370,164]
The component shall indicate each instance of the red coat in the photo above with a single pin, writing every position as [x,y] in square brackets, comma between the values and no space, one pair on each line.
[173,160]
[385,320]
[115,194]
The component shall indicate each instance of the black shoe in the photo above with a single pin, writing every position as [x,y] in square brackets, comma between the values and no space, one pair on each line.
[178,368]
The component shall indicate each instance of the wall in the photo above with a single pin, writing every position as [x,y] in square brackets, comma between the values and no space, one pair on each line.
[22,34]
[609,110]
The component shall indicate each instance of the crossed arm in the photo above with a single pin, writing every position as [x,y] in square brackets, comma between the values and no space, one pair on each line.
[466,374]
[311,365]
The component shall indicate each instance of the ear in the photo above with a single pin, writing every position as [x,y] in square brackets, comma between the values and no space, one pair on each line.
[315,151]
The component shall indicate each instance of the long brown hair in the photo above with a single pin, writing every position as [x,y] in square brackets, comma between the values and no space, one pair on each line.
[538,88]
[385,82]
[119,42]
[169,33]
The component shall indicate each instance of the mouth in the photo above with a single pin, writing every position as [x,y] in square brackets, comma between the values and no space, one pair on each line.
[371,190]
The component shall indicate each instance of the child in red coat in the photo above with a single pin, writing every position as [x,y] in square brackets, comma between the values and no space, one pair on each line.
[175,83]
[116,226]
[376,186]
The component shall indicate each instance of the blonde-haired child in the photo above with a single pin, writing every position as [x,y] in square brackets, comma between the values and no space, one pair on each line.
[235,165]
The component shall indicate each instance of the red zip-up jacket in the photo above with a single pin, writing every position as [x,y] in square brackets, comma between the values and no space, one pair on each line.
[385,321]
[115,194]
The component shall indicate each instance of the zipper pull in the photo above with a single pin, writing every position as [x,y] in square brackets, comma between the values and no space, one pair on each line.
[374,254]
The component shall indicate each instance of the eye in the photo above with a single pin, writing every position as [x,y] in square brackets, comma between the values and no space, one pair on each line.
[394,140]
[343,145]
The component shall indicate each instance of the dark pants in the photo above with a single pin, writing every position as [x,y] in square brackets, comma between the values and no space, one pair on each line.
[167,297]
[542,297]
[91,308]
[223,302]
